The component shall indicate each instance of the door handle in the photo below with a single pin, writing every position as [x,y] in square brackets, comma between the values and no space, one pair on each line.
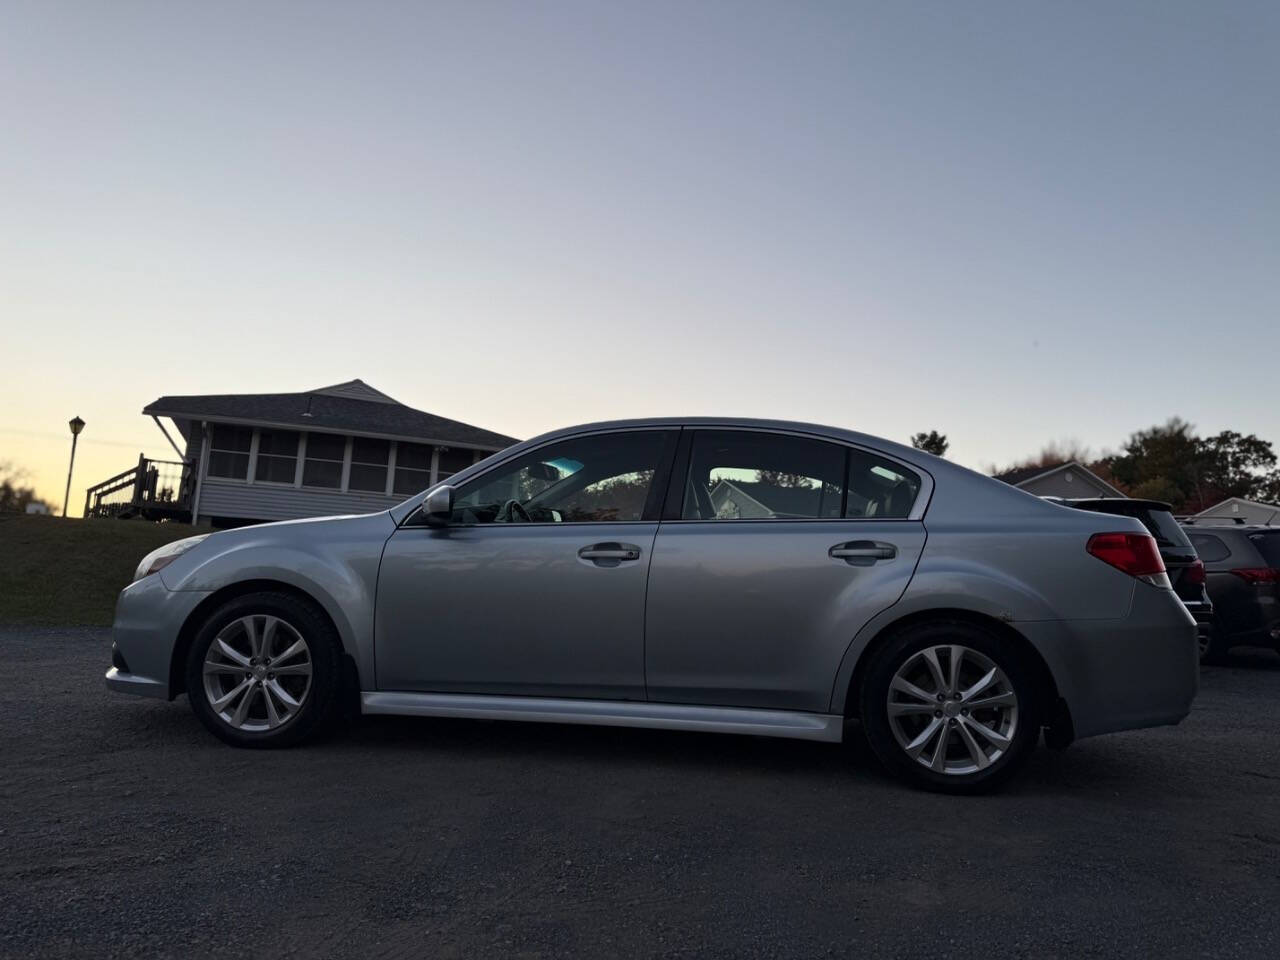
[862,553]
[609,554]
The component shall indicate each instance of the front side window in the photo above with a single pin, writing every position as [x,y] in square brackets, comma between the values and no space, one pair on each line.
[741,475]
[325,455]
[610,478]
[229,451]
[277,456]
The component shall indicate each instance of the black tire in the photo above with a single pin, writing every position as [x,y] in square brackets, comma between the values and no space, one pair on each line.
[321,704]
[901,648]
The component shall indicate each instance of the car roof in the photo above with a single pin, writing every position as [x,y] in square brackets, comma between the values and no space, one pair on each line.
[964,489]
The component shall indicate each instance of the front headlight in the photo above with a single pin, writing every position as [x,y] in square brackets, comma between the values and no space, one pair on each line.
[161,557]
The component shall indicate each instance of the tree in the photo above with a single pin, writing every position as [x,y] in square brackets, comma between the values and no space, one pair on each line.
[1055,454]
[14,497]
[1232,465]
[777,478]
[931,442]
[1171,463]
[1161,463]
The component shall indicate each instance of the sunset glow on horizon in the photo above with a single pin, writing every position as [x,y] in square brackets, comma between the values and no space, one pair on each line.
[1014,225]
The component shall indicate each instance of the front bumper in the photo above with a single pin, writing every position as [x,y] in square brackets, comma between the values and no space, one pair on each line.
[149,619]
[1138,671]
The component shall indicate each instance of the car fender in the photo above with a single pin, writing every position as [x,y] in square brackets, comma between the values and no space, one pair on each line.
[335,563]
[946,581]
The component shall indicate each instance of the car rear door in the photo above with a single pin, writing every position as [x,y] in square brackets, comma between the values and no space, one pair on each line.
[774,550]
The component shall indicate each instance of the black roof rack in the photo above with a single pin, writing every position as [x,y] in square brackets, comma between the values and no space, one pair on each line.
[1208,521]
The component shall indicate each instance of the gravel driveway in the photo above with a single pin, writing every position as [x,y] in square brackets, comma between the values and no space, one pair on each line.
[126,830]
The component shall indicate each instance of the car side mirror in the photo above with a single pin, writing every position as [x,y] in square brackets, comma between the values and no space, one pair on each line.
[438,507]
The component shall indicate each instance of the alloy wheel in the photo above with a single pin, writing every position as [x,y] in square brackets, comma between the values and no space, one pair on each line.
[952,709]
[257,673]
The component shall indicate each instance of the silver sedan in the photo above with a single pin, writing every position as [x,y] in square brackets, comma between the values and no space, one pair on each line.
[731,576]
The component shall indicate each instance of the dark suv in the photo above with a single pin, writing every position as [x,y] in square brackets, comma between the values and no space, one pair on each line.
[1186,571]
[1243,564]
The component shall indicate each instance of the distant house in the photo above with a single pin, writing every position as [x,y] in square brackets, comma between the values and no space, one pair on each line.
[246,458]
[37,508]
[1249,511]
[1068,480]
[754,500]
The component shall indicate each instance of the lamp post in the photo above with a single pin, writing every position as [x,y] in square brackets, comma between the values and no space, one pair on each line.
[76,426]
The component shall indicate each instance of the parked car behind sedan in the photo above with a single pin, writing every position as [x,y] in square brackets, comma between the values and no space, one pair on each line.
[1243,567]
[731,576]
[1186,570]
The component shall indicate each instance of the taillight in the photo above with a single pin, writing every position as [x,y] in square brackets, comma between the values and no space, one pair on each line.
[1194,574]
[1258,574]
[1134,553]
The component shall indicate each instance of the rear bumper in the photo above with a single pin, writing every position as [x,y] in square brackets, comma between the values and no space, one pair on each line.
[149,618]
[1138,671]
[122,682]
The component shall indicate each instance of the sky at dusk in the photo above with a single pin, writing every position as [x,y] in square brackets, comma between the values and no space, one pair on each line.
[1011,222]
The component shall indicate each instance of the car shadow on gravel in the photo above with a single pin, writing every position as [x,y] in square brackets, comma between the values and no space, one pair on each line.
[1093,763]
[1121,763]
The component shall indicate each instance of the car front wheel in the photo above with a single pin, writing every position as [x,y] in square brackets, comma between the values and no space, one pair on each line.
[950,706]
[263,671]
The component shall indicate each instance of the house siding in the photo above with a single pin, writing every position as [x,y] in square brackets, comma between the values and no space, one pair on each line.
[259,501]
[1248,511]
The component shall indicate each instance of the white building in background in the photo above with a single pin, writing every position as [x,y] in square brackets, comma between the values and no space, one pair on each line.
[1070,481]
[1237,508]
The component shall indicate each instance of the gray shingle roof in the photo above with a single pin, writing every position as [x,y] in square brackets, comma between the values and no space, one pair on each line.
[340,408]
[1015,477]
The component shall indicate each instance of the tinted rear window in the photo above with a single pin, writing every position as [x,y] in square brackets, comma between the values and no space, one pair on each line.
[1164,528]
[1211,549]
[1268,545]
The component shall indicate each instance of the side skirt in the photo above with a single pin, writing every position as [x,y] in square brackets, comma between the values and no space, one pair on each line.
[610,713]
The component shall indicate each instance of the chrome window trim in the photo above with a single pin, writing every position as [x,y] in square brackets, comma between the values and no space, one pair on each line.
[605,431]
[918,508]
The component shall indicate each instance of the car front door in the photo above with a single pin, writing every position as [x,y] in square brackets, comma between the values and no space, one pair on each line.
[537,585]
[774,550]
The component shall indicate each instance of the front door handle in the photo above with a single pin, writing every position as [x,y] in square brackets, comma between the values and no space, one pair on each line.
[609,554]
[862,553]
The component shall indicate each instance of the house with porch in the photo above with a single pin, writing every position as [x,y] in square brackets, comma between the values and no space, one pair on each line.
[249,458]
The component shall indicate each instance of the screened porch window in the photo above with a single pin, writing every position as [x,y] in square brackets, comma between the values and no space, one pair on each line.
[413,468]
[326,453]
[229,451]
[369,464]
[277,456]
[451,461]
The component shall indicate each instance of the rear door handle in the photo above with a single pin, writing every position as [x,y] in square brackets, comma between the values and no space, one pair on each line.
[609,554]
[862,553]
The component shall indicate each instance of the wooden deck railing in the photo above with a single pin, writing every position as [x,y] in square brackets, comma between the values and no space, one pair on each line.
[153,488]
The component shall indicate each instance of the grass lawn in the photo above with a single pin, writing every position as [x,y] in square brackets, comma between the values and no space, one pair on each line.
[56,572]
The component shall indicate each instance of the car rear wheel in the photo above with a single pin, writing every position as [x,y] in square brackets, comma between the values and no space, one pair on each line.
[950,707]
[263,671]
[1213,645]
